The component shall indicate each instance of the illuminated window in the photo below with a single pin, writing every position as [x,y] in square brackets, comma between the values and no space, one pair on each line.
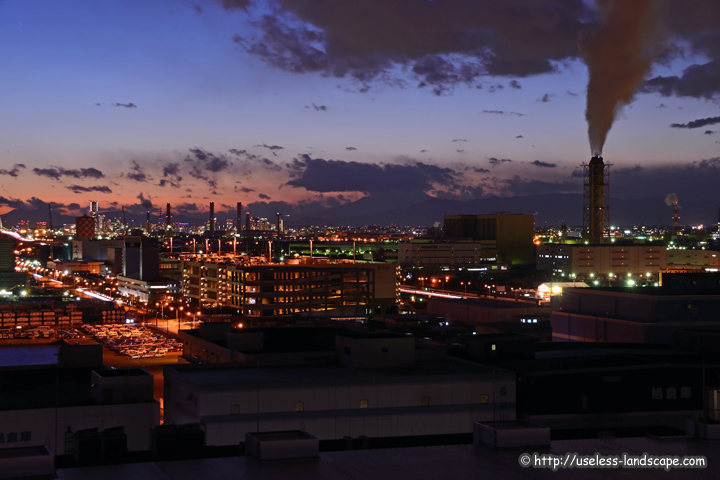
[299,406]
[234,409]
[484,398]
[363,403]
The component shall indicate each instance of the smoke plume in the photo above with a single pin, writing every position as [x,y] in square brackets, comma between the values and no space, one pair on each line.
[618,51]
[671,199]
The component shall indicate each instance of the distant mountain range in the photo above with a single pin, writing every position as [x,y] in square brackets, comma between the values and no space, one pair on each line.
[400,208]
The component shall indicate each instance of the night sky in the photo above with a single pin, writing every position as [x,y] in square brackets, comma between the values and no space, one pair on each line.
[324,102]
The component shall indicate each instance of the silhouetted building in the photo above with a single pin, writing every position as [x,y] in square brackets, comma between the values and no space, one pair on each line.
[513,234]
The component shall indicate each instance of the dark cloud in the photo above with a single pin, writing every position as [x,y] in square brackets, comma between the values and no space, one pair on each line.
[198,9]
[662,105]
[498,161]
[519,136]
[459,140]
[96,188]
[263,196]
[439,43]
[525,186]
[697,179]
[423,151]
[14,172]
[145,203]
[480,170]
[204,161]
[124,105]
[319,175]
[12,203]
[515,84]
[702,122]
[243,189]
[538,163]
[350,148]
[270,165]
[171,169]
[572,94]
[709,132]
[320,108]
[137,173]
[57,172]
[271,147]
[545,98]
[460,151]
[503,112]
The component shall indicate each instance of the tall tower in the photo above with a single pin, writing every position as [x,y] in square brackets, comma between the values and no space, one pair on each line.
[239,217]
[168,219]
[212,218]
[596,199]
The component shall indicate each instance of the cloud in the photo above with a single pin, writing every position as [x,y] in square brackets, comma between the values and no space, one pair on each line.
[498,161]
[171,169]
[320,175]
[145,203]
[97,188]
[350,148]
[519,136]
[137,173]
[437,44]
[14,172]
[538,163]
[124,105]
[459,140]
[702,122]
[320,108]
[515,84]
[503,112]
[263,196]
[709,132]
[460,151]
[545,98]
[58,172]
[243,189]
[204,161]
[481,170]
[524,186]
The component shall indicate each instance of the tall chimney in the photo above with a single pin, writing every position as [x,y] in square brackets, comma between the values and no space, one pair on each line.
[168,217]
[147,224]
[212,218]
[596,200]
[49,227]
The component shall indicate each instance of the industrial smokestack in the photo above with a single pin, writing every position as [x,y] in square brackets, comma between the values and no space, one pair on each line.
[49,227]
[212,218]
[168,216]
[596,199]
[672,201]
[147,224]
[618,52]
[239,217]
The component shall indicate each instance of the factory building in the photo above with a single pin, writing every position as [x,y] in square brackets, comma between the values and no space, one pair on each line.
[438,254]
[608,261]
[382,391]
[512,233]
[638,315]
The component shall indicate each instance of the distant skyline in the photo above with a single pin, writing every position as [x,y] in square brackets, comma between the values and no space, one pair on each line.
[283,102]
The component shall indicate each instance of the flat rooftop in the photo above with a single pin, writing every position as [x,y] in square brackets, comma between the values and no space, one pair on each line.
[13,356]
[420,463]
[250,377]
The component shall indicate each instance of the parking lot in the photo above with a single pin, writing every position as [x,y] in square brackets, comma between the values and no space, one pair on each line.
[134,341]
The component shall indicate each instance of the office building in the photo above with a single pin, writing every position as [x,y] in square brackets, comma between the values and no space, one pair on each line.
[512,233]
